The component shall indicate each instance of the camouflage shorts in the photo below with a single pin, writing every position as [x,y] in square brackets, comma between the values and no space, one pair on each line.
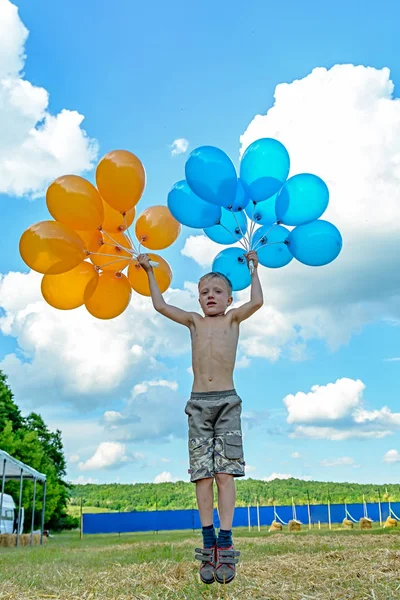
[215,434]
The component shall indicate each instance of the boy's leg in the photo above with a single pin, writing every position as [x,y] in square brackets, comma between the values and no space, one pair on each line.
[205,501]
[226,499]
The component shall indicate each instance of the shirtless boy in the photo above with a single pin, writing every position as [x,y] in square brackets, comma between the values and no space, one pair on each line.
[214,409]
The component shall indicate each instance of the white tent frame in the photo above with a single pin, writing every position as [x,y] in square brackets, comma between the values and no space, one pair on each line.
[11,468]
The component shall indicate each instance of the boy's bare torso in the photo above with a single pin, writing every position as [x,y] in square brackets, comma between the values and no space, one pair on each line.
[214,346]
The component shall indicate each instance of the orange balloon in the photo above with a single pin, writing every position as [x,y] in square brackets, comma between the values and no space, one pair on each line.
[74,201]
[115,221]
[66,291]
[50,247]
[138,278]
[120,178]
[93,240]
[111,256]
[156,228]
[109,296]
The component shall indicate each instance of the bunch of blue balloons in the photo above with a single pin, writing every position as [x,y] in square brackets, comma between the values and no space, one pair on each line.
[229,208]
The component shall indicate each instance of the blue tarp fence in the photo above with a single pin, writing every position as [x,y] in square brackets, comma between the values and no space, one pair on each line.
[167,520]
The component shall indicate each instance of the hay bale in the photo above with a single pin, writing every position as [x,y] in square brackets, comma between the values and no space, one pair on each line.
[347,524]
[294,525]
[8,540]
[390,522]
[275,526]
[365,523]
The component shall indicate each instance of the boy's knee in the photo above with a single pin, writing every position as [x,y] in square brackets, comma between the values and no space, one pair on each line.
[223,479]
[206,482]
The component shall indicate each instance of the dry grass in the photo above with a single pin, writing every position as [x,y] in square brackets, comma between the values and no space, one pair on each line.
[303,566]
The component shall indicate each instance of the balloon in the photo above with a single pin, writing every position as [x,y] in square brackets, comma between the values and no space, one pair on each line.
[120,179]
[241,199]
[315,244]
[211,175]
[110,257]
[108,296]
[115,221]
[66,291]
[302,199]
[235,223]
[262,213]
[189,209]
[232,263]
[51,247]
[276,255]
[138,278]
[264,168]
[156,228]
[93,240]
[74,201]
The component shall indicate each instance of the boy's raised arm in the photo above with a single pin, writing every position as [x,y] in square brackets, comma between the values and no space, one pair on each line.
[174,313]
[256,295]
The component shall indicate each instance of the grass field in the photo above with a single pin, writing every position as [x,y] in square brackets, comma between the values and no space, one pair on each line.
[337,565]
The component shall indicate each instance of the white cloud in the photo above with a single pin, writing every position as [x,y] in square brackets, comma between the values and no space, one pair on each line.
[336,412]
[108,454]
[392,456]
[142,388]
[164,477]
[295,455]
[179,146]
[394,359]
[201,249]
[338,462]
[82,480]
[35,146]
[242,363]
[324,403]
[165,460]
[74,458]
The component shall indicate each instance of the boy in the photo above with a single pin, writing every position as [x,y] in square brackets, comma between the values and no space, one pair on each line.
[214,409]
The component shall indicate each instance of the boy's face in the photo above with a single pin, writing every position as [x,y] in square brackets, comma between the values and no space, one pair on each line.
[214,296]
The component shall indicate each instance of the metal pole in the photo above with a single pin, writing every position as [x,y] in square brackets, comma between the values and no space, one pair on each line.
[81,519]
[258,517]
[43,509]
[33,510]
[19,505]
[3,482]
[248,516]
[329,514]
[380,508]
[309,510]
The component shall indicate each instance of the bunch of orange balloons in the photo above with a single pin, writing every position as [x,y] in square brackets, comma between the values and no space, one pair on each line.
[83,252]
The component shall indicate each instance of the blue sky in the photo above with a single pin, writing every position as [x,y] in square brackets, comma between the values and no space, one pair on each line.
[142,77]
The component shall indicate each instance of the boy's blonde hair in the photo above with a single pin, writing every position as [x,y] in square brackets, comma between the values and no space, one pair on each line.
[217,275]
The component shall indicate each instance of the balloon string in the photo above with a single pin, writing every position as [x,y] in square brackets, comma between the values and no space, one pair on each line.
[111,263]
[259,243]
[234,235]
[110,255]
[241,231]
[117,243]
[129,234]
[252,227]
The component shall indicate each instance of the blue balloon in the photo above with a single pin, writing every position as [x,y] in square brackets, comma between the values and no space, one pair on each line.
[211,175]
[264,168]
[231,228]
[302,199]
[262,213]
[232,263]
[241,200]
[315,244]
[277,254]
[189,209]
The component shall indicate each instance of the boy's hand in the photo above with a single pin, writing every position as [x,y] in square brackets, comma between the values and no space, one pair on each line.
[252,255]
[144,262]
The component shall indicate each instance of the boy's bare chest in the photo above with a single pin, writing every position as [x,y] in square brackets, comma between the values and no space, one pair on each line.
[215,332]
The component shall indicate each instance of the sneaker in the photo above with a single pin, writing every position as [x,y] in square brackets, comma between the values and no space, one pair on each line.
[225,569]
[207,567]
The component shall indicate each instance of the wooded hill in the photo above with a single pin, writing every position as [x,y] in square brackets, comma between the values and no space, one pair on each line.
[180,495]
